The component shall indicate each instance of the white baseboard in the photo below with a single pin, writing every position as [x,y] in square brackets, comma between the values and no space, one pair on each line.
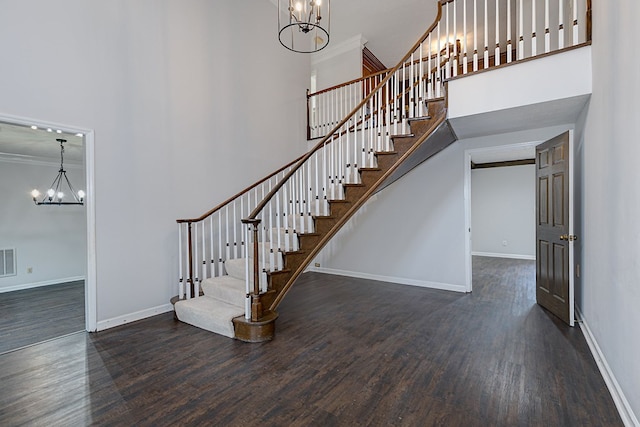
[132,317]
[397,280]
[622,404]
[40,284]
[511,256]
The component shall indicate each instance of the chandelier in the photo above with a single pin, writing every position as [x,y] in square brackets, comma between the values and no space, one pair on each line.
[303,25]
[55,194]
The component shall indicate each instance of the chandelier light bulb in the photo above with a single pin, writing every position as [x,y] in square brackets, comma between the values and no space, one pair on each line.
[55,193]
[298,6]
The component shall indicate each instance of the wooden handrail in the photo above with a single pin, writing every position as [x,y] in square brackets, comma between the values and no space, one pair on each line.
[348,117]
[240,193]
[350,82]
[363,78]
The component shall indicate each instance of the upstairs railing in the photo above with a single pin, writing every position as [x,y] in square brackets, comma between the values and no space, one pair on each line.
[467,39]
[358,120]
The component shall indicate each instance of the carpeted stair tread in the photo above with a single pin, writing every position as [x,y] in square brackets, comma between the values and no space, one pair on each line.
[225,288]
[209,313]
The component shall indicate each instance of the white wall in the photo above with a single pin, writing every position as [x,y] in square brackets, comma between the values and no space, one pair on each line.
[413,231]
[49,239]
[190,101]
[338,63]
[503,210]
[610,294]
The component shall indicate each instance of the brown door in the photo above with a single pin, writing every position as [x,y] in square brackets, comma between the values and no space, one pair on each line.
[554,238]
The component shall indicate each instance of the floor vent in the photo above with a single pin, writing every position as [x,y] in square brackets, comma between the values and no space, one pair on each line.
[7,262]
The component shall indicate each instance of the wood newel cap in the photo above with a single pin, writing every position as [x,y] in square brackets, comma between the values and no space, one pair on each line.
[254,221]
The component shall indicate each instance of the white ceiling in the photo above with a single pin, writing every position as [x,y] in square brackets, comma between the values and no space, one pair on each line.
[25,143]
[391,27]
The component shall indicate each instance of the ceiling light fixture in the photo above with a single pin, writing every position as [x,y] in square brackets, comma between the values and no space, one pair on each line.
[55,194]
[303,25]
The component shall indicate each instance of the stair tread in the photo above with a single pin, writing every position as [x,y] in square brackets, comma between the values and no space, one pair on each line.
[403,135]
[369,169]
[378,153]
[209,313]
[225,288]
[354,184]
[415,119]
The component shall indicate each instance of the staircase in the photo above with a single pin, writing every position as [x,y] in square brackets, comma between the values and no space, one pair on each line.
[238,261]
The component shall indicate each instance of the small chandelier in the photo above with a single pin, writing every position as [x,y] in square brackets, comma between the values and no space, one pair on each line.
[303,25]
[55,194]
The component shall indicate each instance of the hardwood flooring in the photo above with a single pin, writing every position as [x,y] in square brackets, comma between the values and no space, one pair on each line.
[347,352]
[33,315]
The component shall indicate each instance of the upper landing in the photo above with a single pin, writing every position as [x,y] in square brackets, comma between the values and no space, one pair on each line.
[546,90]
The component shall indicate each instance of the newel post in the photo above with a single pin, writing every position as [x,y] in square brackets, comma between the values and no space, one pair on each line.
[256,304]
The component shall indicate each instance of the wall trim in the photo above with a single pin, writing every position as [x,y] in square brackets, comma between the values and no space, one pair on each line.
[499,255]
[355,42]
[36,161]
[621,402]
[40,284]
[132,317]
[389,279]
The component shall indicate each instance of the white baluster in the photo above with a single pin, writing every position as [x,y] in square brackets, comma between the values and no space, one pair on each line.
[234,223]
[196,270]
[204,253]
[180,274]
[226,226]
[455,40]
[265,267]
[220,264]
[496,55]
[465,69]
[270,232]
[438,68]
[534,40]
[561,24]
[509,45]
[576,27]
[420,85]
[521,31]
[547,34]
[447,71]
[486,35]
[475,35]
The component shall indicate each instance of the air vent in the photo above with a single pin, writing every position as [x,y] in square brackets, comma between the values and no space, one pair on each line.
[7,262]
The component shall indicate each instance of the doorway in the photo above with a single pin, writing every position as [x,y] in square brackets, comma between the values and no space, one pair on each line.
[500,155]
[42,259]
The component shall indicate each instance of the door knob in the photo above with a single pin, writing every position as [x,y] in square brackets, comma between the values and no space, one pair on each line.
[569,237]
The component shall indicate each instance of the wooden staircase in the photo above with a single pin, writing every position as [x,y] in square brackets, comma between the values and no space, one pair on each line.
[357,154]
[428,136]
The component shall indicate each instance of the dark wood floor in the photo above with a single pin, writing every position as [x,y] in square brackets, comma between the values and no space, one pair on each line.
[348,352]
[38,314]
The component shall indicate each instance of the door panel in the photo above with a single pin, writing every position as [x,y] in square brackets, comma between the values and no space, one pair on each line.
[554,249]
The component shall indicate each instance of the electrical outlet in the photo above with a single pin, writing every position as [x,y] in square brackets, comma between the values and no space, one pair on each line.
[317,264]
[29,270]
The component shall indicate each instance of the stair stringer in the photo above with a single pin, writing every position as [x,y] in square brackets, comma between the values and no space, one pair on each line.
[435,132]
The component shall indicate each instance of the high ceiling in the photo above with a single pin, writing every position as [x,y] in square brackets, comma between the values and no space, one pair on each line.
[391,27]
